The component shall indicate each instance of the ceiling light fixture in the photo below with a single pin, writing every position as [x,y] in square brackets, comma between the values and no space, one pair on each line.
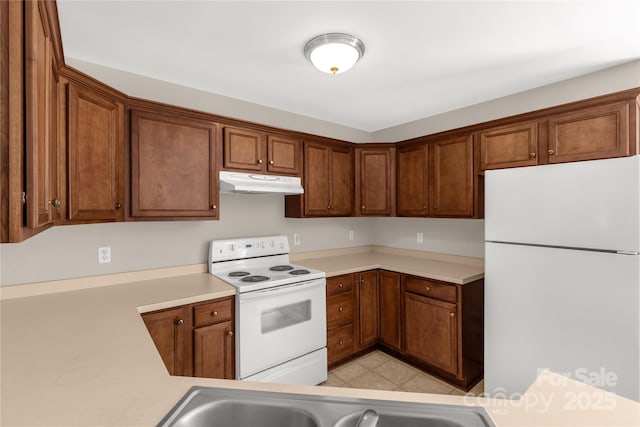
[334,53]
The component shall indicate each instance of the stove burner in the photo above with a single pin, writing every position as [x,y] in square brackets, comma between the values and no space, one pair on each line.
[239,273]
[299,272]
[281,268]
[254,279]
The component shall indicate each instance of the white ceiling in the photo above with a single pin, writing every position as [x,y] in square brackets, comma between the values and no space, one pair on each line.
[421,59]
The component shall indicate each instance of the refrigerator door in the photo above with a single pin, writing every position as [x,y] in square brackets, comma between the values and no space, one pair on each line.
[573,312]
[593,204]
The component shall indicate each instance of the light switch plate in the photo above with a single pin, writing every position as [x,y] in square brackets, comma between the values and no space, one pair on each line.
[296,239]
[419,238]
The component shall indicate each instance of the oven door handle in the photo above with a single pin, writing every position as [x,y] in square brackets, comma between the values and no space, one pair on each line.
[296,287]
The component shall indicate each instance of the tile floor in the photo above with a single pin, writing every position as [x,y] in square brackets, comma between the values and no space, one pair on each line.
[379,371]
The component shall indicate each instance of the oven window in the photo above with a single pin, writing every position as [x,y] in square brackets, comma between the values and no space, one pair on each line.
[284,316]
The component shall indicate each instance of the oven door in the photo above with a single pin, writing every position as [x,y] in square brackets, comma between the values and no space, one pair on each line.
[279,324]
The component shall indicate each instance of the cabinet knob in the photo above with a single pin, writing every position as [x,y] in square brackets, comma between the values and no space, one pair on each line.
[550,152]
[428,288]
[340,342]
[340,309]
[452,314]
[55,203]
[435,206]
[180,322]
[361,280]
[260,161]
[532,155]
[328,207]
[214,207]
[230,333]
[270,162]
[341,285]
[118,205]
[214,314]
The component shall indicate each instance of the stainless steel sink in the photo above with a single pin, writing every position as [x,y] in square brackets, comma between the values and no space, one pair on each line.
[214,407]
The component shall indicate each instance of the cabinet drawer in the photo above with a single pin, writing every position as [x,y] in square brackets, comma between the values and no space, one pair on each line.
[431,289]
[339,343]
[339,310]
[339,284]
[212,312]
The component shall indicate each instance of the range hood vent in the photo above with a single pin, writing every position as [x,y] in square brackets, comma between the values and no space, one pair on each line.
[251,183]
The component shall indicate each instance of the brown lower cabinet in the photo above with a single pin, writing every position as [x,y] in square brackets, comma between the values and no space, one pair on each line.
[437,326]
[195,339]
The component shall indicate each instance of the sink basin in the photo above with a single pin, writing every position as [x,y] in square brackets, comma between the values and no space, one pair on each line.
[213,407]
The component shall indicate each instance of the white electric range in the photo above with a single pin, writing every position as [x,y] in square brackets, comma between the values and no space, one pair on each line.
[280,310]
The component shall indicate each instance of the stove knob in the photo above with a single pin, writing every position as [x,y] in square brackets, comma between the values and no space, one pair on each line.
[272,244]
[262,245]
[232,247]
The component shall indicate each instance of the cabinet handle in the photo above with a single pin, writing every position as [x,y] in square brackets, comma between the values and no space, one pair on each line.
[532,155]
[260,161]
[428,288]
[270,162]
[214,207]
[340,342]
[435,206]
[340,309]
[361,280]
[341,285]
[214,314]
[230,333]
[55,203]
[550,152]
[180,322]
[118,205]
[452,314]
[364,207]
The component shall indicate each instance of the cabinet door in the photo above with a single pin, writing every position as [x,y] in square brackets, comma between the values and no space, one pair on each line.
[213,348]
[41,143]
[452,177]
[431,331]
[341,181]
[169,330]
[389,285]
[368,308]
[593,133]
[95,156]
[509,146]
[243,149]
[412,178]
[284,155]
[375,181]
[173,170]
[316,179]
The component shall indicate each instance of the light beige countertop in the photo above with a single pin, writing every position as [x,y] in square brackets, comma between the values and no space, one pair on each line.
[448,268]
[84,358]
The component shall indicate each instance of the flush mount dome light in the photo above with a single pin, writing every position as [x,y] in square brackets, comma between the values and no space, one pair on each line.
[334,53]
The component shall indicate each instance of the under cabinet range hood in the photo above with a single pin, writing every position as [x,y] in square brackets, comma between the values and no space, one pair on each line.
[251,183]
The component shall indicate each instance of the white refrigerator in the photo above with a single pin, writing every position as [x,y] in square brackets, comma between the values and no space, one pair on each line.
[562,275]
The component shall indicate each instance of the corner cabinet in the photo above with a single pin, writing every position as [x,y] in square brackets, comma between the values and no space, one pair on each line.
[196,339]
[412,180]
[375,179]
[509,146]
[328,182]
[173,173]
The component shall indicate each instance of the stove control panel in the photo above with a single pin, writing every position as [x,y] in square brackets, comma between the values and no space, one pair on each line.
[248,247]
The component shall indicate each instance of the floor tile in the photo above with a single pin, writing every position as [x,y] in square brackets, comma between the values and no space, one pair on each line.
[333,381]
[371,380]
[423,383]
[396,371]
[477,389]
[374,359]
[350,371]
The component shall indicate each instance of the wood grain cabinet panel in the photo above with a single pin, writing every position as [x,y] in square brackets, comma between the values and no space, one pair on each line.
[452,191]
[375,181]
[95,156]
[213,351]
[317,170]
[412,181]
[339,310]
[173,171]
[509,146]
[170,330]
[341,181]
[593,133]
[284,155]
[340,343]
[431,332]
[390,309]
[368,301]
[243,149]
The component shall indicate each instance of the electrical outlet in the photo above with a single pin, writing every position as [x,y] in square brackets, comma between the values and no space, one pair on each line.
[419,237]
[351,234]
[296,239]
[104,255]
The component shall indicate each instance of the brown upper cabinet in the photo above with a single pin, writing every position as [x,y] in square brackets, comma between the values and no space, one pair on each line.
[173,166]
[328,182]
[592,133]
[509,146]
[412,180]
[249,150]
[375,175]
[95,155]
